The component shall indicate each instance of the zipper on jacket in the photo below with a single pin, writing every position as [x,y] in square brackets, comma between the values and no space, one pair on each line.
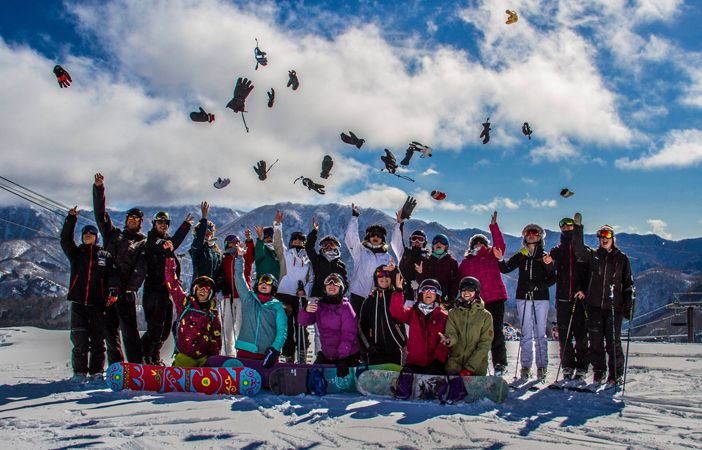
[387,319]
[570,267]
[90,266]
[604,277]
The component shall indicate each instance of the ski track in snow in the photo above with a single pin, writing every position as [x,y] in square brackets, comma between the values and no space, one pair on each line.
[662,409]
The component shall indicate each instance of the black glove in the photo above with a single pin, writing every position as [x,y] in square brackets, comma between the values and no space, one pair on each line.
[342,368]
[260,56]
[425,150]
[202,116]
[353,139]
[242,90]
[312,186]
[629,309]
[260,169]
[486,131]
[408,207]
[130,296]
[408,156]
[389,161]
[271,98]
[292,80]
[435,368]
[532,286]
[327,165]
[271,358]
[63,78]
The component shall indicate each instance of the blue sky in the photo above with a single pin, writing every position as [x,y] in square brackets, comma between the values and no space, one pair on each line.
[611,89]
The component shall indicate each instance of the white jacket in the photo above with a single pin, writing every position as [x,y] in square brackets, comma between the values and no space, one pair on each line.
[295,265]
[364,261]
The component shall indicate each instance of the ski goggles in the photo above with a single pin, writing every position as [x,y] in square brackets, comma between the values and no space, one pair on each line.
[608,234]
[231,239]
[376,234]
[162,215]
[328,245]
[89,229]
[297,236]
[266,279]
[333,280]
[211,228]
[439,240]
[203,287]
[469,289]
[566,223]
[417,239]
[137,218]
[380,273]
[267,234]
[531,232]
[431,290]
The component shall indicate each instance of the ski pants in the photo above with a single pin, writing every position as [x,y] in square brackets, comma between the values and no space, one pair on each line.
[499,350]
[533,315]
[604,328]
[231,323]
[87,337]
[158,314]
[292,308]
[122,315]
[572,357]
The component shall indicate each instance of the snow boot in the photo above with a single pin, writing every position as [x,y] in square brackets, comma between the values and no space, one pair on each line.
[526,373]
[97,379]
[78,378]
[541,374]
[500,370]
[598,378]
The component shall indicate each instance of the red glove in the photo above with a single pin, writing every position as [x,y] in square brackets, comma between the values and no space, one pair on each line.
[63,78]
[466,373]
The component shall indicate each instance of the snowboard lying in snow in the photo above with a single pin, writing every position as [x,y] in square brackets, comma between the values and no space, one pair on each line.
[257,365]
[379,382]
[293,380]
[203,380]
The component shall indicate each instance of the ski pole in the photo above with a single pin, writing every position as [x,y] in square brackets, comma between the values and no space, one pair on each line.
[628,335]
[562,352]
[519,349]
[614,336]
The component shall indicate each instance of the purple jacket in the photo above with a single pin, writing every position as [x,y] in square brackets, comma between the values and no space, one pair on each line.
[337,327]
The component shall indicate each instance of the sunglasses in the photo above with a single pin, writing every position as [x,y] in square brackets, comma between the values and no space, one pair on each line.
[605,234]
[566,223]
[418,239]
[163,221]
[532,232]
[382,273]
[439,240]
[265,279]
[203,287]
[333,280]
[137,218]
[430,289]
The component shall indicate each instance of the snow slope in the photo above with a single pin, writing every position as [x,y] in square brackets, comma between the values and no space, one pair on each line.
[662,409]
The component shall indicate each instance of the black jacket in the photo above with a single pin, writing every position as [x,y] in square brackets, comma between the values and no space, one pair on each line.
[572,274]
[410,257]
[606,269]
[322,267]
[380,333]
[534,275]
[89,268]
[156,256]
[127,247]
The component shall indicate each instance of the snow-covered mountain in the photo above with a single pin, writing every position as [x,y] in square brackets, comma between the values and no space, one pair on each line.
[32,265]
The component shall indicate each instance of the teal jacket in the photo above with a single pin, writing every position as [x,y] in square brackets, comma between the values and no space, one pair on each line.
[263,324]
[266,261]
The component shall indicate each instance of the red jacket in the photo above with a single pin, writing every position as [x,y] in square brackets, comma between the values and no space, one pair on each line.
[484,267]
[424,343]
[228,264]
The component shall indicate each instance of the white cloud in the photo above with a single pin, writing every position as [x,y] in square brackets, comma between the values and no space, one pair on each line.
[494,205]
[540,203]
[659,228]
[682,148]
[430,172]
[528,181]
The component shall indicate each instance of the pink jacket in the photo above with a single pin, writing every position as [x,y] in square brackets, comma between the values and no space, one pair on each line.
[483,266]
[199,329]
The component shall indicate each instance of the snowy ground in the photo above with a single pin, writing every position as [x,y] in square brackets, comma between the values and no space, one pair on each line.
[662,409]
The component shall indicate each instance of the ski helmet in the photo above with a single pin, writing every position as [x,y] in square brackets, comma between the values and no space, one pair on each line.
[232,239]
[419,233]
[297,235]
[381,272]
[468,283]
[203,281]
[162,215]
[432,285]
[268,279]
[336,280]
[533,226]
[378,230]
[92,230]
[475,239]
[331,239]
[135,212]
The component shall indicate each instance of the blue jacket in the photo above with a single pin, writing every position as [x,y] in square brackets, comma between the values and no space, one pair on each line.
[263,324]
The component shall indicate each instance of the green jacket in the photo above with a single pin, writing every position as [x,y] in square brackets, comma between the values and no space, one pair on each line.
[471,333]
[266,261]
[264,324]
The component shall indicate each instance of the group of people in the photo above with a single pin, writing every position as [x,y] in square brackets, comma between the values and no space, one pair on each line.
[425,312]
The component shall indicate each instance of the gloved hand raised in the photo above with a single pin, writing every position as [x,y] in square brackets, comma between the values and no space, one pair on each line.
[271,358]
[241,91]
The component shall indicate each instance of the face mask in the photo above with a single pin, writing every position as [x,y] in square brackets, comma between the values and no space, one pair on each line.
[439,252]
[269,246]
[332,254]
[230,251]
[474,251]
[426,309]
[211,242]
[567,235]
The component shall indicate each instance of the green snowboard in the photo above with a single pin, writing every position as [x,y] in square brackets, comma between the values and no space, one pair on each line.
[379,382]
[293,380]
